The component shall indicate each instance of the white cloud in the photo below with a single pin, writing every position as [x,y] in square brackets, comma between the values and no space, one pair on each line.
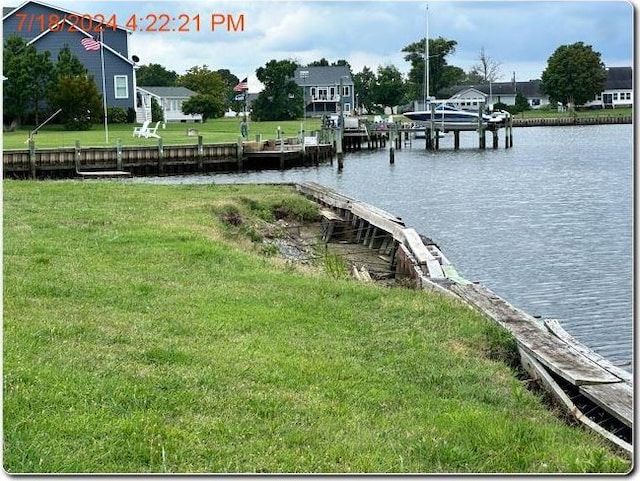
[520,34]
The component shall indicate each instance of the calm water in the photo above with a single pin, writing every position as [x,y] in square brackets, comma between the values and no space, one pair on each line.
[547,225]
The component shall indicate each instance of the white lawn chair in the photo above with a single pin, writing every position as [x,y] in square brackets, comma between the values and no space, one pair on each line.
[151,132]
[142,130]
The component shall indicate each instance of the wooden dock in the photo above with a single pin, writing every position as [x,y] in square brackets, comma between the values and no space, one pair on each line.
[588,387]
[118,160]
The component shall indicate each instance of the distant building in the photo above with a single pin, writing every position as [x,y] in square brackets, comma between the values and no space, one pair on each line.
[169,99]
[618,89]
[322,93]
[51,28]
[470,97]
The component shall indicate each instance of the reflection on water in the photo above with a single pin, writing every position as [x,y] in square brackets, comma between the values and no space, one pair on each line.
[546,224]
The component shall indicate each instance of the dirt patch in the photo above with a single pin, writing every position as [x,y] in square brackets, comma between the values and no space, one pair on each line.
[303,244]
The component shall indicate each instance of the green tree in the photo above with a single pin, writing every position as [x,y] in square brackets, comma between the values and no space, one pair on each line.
[67,64]
[157,114]
[28,75]
[389,89]
[229,80]
[521,103]
[203,81]
[441,75]
[210,86]
[155,75]
[364,83]
[209,106]
[80,101]
[574,75]
[281,98]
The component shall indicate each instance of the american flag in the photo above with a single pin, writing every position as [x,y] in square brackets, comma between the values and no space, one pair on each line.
[90,43]
[241,86]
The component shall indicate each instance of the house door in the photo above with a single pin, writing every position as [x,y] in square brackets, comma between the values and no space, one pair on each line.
[607,100]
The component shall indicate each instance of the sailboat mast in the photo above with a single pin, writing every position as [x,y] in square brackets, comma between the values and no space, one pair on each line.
[425,92]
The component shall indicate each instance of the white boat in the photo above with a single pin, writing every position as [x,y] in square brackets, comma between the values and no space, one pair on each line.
[446,117]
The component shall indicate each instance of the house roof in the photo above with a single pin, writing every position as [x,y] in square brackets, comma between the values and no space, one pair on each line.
[164,92]
[530,88]
[323,75]
[619,78]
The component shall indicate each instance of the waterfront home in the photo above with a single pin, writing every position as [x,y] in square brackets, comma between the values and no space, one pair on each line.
[618,89]
[470,97]
[170,100]
[50,28]
[321,86]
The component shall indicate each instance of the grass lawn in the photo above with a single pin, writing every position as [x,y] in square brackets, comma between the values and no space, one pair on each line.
[212,131]
[142,334]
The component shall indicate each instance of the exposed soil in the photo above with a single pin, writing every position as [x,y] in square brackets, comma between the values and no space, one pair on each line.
[303,244]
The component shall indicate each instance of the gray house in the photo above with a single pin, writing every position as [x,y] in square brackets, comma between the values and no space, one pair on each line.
[51,28]
[169,99]
[322,93]
[470,97]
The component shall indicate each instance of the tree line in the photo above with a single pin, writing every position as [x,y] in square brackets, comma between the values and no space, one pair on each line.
[574,75]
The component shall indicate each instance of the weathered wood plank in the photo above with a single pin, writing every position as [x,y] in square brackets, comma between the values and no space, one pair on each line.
[554,326]
[326,195]
[104,173]
[384,222]
[422,255]
[539,374]
[616,399]
[555,354]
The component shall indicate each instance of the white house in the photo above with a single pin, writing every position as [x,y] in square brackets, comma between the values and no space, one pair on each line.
[170,100]
[618,89]
[470,97]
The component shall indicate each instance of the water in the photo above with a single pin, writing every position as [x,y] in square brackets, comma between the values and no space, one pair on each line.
[547,224]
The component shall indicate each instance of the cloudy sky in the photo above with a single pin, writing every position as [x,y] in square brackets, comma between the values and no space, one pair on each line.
[521,35]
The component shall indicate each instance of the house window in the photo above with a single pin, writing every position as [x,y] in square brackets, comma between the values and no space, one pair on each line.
[332,93]
[345,91]
[628,96]
[347,107]
[121,86]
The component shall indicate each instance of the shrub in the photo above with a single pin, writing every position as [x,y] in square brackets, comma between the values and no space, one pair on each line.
[116,115]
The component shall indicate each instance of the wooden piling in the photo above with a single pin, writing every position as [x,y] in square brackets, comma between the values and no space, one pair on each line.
[76,156]
[118,154]
[200,154]
[161,156]
[32,158]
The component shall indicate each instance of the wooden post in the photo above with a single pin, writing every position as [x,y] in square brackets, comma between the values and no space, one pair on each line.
[160,156]
[437,139]
[339,149]
[239,152]
[495,138]
[456,140]
[482,139]
[392,142]
[77,155]
[32,158]
[118,154]
[200,154]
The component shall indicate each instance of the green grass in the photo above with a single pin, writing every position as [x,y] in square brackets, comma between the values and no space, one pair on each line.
[144,332]
[595,113]
[213,131]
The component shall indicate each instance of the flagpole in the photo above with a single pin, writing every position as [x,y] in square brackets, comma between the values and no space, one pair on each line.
[104,89]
